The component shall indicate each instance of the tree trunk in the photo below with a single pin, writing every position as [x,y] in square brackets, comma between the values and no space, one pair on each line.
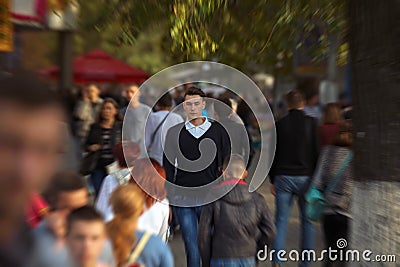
[375,59]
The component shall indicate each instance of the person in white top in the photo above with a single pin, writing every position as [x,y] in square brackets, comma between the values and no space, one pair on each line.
[150,176]
[157,126]
[126,152]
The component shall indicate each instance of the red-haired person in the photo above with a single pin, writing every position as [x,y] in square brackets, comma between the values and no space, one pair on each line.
[331,119]
[125,152]
[150,175]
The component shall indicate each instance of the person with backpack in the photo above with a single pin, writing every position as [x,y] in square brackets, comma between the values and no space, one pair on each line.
[133,247]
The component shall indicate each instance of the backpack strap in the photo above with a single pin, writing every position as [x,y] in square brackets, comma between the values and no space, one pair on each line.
[139,248]
[153,135]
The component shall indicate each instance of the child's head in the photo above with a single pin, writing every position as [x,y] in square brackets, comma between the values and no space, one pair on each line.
[234,167]
[86,235]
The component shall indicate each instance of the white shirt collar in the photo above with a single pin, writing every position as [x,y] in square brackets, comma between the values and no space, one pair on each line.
[198,131]
[203,126]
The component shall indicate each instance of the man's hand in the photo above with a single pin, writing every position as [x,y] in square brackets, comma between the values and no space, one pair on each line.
[272,188]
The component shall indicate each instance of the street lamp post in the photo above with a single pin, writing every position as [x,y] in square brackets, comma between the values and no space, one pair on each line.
[64,19]
[65,42]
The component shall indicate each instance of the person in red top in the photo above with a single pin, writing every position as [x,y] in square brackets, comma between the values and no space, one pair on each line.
[37,210]
[330,123]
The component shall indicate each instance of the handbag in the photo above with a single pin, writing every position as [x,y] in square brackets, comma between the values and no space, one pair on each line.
[89,162]
[138,250]
[315,199]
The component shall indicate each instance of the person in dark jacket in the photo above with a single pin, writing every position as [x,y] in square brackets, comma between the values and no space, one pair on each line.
[103,136]
[233,228]
[295,159]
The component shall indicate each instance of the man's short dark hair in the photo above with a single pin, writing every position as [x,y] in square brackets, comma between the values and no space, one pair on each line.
[85,213]
[295,99]
[63,182]
[165,101]
[223,107]
[309,86]
[193,90]
[27,90]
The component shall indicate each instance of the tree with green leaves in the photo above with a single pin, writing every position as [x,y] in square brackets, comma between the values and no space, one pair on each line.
[240,33]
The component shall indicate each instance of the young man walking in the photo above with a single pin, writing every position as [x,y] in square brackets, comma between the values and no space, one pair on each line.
[295,159]
[183,163]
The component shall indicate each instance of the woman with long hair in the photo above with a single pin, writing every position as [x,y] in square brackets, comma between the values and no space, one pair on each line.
[103,136]
[331,119]
[336,160]
[128,203]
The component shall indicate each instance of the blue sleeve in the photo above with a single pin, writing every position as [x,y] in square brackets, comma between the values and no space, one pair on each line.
[166,258]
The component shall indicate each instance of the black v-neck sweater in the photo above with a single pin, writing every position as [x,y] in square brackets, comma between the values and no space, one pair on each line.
[185,174]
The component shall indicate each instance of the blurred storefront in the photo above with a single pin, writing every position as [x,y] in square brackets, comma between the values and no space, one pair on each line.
[22,20]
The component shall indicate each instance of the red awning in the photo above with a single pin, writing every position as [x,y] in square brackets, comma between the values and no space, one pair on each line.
[98,66]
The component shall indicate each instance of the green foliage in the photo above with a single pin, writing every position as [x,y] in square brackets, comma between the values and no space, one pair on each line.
[244,34]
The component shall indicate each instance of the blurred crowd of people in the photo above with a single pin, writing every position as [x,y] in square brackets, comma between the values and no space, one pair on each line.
[114,210]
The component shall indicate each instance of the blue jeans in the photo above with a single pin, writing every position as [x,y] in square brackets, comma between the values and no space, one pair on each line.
[96,179]
[188,218]
[286,188]
[239,262]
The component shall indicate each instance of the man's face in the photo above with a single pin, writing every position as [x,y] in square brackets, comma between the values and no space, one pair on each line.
[193,106]
[69,201]
[85,241]
[132,93]
[30,146]
[93,92]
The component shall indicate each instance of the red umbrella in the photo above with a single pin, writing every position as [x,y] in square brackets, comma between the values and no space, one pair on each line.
[98,66]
